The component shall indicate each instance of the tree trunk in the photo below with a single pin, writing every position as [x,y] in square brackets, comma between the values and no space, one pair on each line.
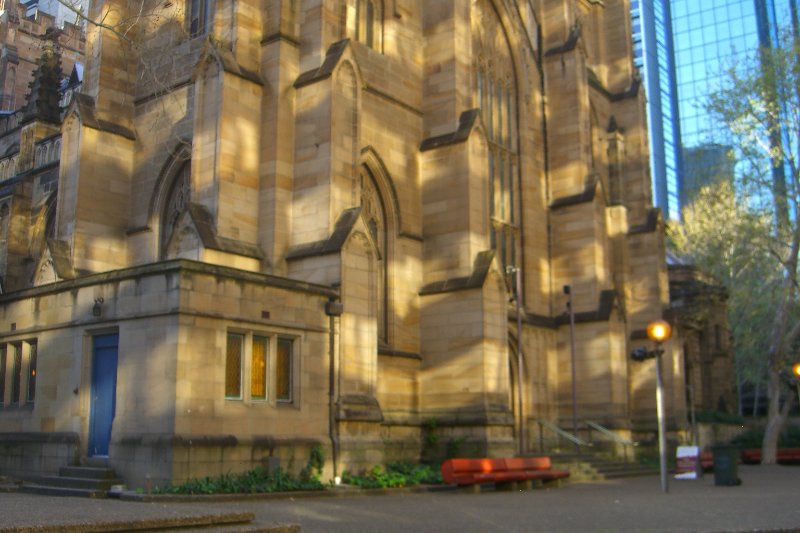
[769,446]
[776,418]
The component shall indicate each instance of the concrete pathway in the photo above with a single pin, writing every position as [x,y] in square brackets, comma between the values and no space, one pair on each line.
[768,501]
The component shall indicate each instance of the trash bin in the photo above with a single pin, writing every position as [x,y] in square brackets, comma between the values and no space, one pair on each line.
[726,465]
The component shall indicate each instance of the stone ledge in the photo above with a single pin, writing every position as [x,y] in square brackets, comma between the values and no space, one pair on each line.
[465,124]
[39,437]
[475,280]
[171,266]
[332,57]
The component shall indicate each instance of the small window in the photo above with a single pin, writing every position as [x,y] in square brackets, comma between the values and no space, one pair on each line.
[256,364]
[368,20]
[369,33]
[32,372]
[284,371]
[233,366]
[258,370]
[200,14]
[16,373]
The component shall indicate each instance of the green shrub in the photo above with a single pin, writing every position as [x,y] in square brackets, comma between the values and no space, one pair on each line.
[718,417]
[257,480]
[394,475]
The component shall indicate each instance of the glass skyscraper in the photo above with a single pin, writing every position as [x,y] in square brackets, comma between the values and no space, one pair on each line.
[683,48]
[654,56]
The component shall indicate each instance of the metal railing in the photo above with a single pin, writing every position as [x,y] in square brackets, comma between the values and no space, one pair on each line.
[611,436]
[544,424]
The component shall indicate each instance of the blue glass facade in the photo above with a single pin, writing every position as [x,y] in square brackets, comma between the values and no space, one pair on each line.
[653,55]
[706,37]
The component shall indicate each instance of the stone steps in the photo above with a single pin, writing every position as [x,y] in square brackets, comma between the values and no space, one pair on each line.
[81,481]
[589,467]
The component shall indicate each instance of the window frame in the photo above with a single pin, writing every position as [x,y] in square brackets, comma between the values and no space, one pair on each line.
[265,378]
[249,361]
[368,23]
[17,364]
[30,372]
[289,380]
[199,17]
[229,374]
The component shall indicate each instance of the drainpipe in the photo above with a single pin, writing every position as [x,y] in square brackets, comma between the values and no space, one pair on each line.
[333,309]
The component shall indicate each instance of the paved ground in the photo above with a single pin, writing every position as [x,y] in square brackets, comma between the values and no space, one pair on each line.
[767,500]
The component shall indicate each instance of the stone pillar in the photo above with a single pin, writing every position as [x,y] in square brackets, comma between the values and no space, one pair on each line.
[110,74]
[226,146]
[280,68]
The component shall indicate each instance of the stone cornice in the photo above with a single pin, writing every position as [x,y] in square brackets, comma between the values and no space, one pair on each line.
[475,280]
[84,106]
[166,267]
[333,244]
[466,122]
[332,57]
[650,224]
[586,196]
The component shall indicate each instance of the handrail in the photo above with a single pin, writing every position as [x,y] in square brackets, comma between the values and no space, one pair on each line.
[565,434]
[610,434]
[613,436]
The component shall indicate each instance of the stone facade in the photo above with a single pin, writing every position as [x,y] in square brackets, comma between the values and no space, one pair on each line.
[297,224]
[21,41]
[699,306]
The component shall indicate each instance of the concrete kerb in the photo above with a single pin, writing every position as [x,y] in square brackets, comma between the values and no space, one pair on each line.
[211,520]
[337,492]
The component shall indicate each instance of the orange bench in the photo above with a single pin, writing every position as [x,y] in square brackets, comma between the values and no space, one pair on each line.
[783,455]
[502,472]
[752,456]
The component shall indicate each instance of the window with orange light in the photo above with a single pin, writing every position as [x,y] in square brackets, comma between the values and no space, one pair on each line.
[32,371]
[259,367]
[258,370]
[18,373]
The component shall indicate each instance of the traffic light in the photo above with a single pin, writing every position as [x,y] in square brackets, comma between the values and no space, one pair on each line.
[796,370]
[640,354]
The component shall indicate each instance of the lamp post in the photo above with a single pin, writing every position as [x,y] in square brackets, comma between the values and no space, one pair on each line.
[659,331]
[570,308]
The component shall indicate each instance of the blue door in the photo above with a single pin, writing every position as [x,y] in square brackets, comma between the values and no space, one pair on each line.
[104,392]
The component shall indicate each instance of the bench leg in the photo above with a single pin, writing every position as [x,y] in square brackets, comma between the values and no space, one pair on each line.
[474,488]
[554,483]
[505,486]
[524,485]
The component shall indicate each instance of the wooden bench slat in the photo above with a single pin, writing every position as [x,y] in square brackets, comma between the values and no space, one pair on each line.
[462,471]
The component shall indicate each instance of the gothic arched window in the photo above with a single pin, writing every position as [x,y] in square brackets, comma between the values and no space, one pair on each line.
[372,210]
[495,94]
[177,199]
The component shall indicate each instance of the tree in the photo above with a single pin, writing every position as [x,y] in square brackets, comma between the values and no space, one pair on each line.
[758,244]
[721,235]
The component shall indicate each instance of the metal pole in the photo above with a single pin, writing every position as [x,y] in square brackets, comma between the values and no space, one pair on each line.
[693,417]
[518,297]
[568,291]
[662,435]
